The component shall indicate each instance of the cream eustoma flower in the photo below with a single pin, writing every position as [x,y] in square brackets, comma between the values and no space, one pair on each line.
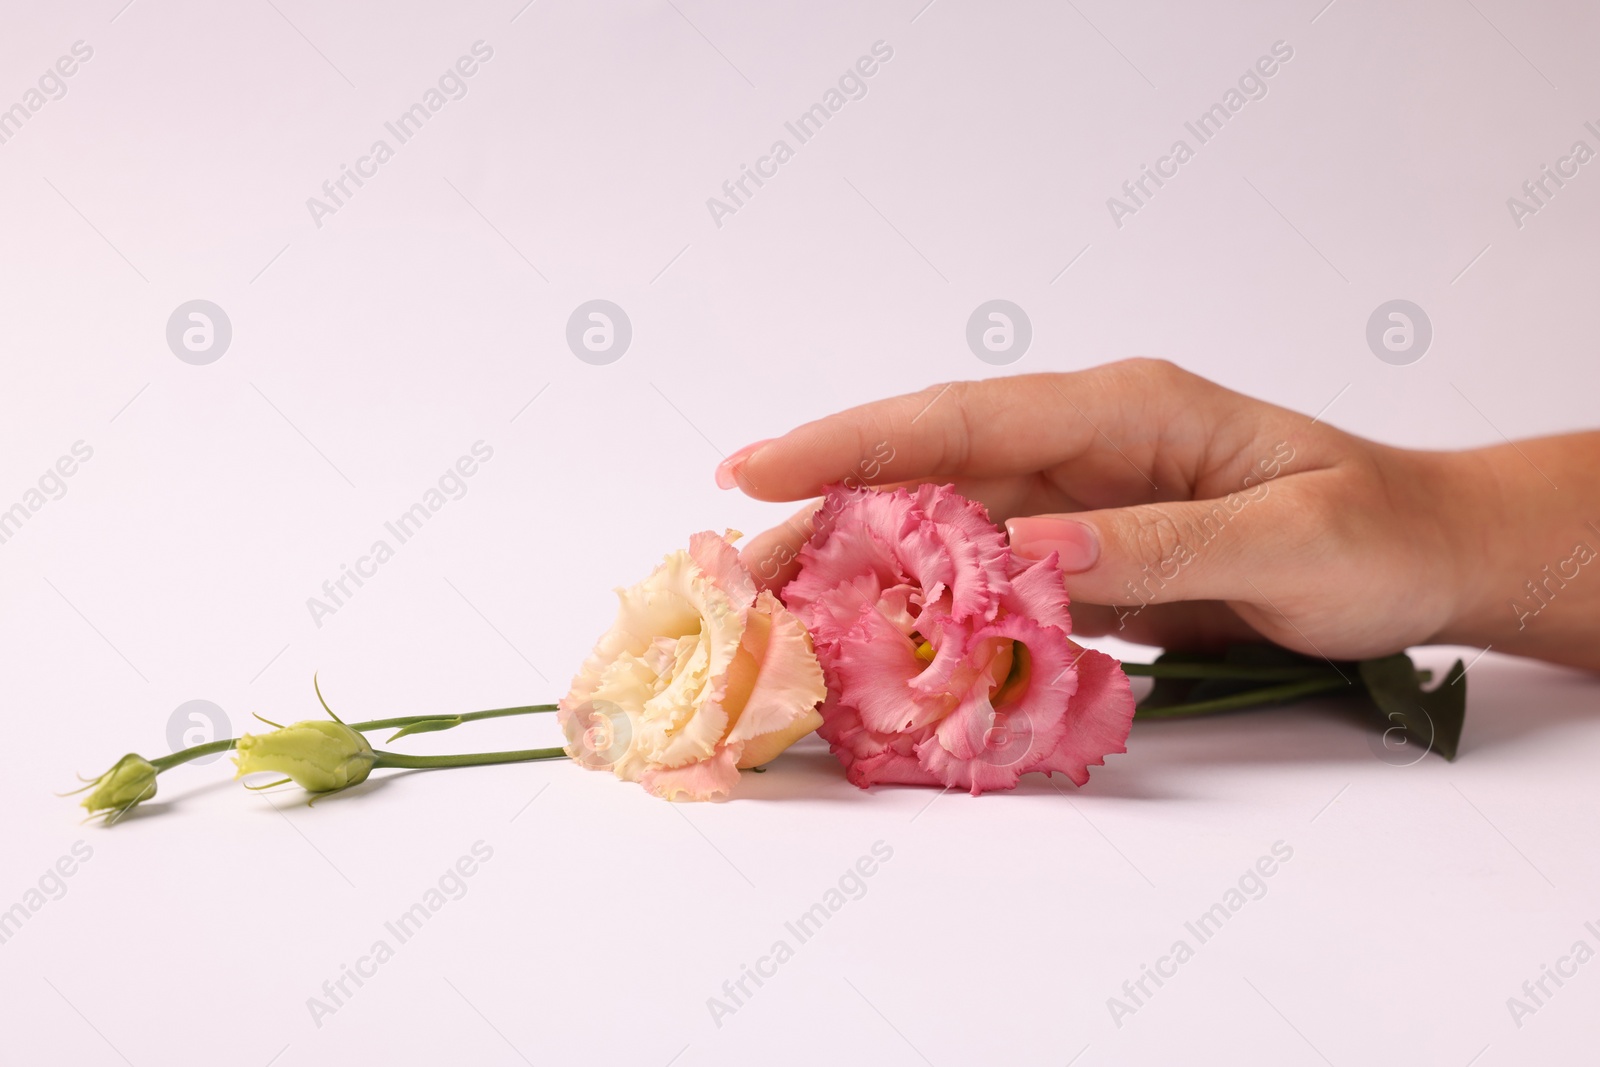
[699,676]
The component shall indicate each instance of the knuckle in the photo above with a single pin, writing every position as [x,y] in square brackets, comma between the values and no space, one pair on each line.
[956,437]
[1153,368]
[1155,535]
[1160,376]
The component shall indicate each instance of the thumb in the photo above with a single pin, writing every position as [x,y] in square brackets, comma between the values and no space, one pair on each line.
[1156,553]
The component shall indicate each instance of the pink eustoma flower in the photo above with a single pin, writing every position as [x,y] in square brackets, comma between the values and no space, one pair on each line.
[948,659]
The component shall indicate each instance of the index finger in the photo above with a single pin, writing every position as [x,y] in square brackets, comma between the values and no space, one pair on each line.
[987,429]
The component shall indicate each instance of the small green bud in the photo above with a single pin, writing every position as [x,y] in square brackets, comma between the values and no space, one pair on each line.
[319,755]
[131,781]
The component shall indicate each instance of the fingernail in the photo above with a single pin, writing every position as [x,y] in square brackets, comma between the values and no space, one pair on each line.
[1076,544]
[728,468]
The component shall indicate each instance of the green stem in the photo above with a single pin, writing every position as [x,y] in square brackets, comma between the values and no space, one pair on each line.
[194,752]
[226,744]
[1238,671]
[1229,671]
[465,759]
[471,716]
[1275,694]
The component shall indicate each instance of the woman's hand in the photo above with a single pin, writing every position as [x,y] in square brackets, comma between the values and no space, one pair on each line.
[1187,515]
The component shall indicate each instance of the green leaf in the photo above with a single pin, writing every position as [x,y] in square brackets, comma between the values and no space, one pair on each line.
[1431,718]
[427,726]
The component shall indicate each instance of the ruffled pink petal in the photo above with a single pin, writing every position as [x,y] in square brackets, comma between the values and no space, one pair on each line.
[706,780]
[889,514]
[1098,719]
[927,561]
[901,606]
[839,560]
[949,672]
[1038,591]
[834,613]
[973,557]
[888,768]
[981,746]
[854,510]
[942,504]
[870,758]
[975,775]
[970,731]
[885,571]
[826,517]
[934,538]
[876,666]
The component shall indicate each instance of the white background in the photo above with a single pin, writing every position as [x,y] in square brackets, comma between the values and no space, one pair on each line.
[429,310]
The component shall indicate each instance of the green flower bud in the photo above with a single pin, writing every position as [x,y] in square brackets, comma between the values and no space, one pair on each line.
[131,781]
[319,755]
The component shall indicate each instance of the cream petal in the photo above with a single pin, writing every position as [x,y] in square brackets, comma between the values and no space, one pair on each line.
[692,655]
[719,561]
[683,720]
[687,726]
[768,747]
[789,682]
